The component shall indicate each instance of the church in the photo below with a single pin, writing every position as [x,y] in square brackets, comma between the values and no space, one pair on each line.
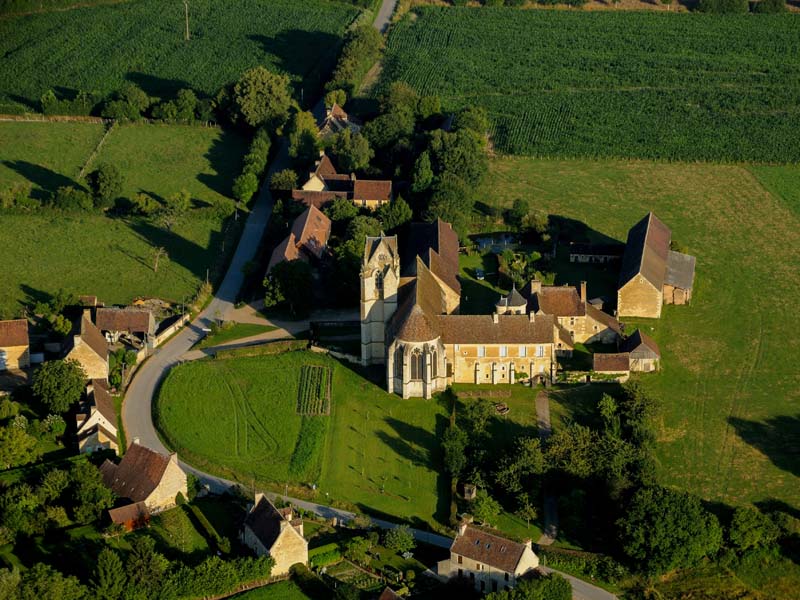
[410,321]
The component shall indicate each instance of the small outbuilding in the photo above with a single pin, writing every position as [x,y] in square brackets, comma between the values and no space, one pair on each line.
[116,322]
[614,366]
[274,532]
[15,348]
[131,516]
[643,350]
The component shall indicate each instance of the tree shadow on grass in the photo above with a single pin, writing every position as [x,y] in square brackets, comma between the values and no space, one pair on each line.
[159,87]
[225,157]
[44,180]
[777,437]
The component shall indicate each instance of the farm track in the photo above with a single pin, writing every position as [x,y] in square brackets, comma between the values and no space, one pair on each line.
[260,429]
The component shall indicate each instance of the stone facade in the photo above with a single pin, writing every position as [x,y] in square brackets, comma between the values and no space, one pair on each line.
[380,280]
[273,532]
[14,345]
[173,482]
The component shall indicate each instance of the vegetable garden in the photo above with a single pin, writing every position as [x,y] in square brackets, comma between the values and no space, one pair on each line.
[101,47]
[314,393]
[624,84]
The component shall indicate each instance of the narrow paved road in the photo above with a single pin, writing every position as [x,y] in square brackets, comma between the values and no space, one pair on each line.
[384,16]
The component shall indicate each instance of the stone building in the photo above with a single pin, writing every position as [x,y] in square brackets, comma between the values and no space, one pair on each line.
[643,350]
[118,322]
[144,475]
[652,275]
[336,121]
[614,366]
[89,347]
[490,562]
[308,238]
[15,348]
[97,419]
[324,185]
[274,532]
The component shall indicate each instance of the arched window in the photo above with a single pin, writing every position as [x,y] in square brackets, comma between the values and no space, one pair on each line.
[379,282]
[398,362]
[417,364]
[434,364]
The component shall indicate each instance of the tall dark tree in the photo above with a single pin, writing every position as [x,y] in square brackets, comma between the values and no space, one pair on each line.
[106,184]
[109,578]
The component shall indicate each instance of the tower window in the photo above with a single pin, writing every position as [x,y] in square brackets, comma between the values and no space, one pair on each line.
[379,282]
[417,364]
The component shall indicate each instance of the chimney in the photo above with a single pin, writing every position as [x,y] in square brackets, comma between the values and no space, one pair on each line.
[531,317]
[495,318]
[352,176]
[583,292]
[136,440]
[536,286]
[462,528]
[528,543]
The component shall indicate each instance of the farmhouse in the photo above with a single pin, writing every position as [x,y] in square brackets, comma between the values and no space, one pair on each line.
[125,322]
[274,532]
[336,121]
[325,185]
[490,562]
[644,353]
[89,348]
[97,419]
[15,348]
[410,296]
[146,476]
[652,275]
[308,238]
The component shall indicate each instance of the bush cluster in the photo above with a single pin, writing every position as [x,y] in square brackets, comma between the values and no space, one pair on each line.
[361,50]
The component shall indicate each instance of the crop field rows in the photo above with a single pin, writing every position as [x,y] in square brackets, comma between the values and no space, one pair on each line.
[622,84]
[314,392]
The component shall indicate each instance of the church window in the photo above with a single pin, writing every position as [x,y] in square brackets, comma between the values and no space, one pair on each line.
[398,362]
[434,364]
[417,364]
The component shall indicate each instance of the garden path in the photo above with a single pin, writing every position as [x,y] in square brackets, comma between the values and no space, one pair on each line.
[550,502]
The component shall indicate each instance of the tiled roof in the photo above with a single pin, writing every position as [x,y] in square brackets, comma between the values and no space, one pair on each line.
[509,329]
[312,229]
[611,363]
[286,250]
[14,333]
[318,199]
[101,397]
[422,300]
[129,513]
[560,301]
[92,337]
[388,594]
[337,112]
[640,345]
[680,270]
[604,318]
[646,252]
[138,474]
[324,167]
[372,189]
[132,320]
[488,549]
[437,245]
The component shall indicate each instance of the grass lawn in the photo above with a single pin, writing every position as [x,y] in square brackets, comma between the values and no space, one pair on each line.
[376,451]
[236,331]
[91,253]
[283,590]
[729,386]
[99,48]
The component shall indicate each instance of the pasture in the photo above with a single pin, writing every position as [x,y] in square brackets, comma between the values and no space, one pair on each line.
[111,256]
[729,384]
[98,48]
[631,84]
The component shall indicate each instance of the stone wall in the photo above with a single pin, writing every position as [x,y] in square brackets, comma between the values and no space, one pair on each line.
[639,298]
[15,357]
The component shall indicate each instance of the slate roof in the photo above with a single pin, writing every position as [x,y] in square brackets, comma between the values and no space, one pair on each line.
[640,345]
[132,320]
[14,333]
[264,520]
[488,549]
[101,397]
[513,299]
[646,252]
[134,512]
[509,329]
[680,270]
[137,475]
[611,363]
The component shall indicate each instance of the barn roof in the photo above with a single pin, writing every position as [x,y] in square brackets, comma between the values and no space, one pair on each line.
[14,333]
[641,345]
[611,363]
[488,549]
[133,320]
[680,270]
[134,512]
[137,475]
[646,252]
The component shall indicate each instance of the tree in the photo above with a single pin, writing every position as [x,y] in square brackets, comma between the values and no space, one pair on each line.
[335,97]
[476,417]
[454,444]
[751,528]
[341,210]
[610,413]
[664,530]
[352,152]
[53,484]
[289,282]
[158,253]
[261,97]
[146,569]
[143,204]
[285,180]
[452,201]
[485,508]
[474,119]
[17,447]
[356,549]
[175,207]
[400,539]
[519,210]
[525,509]
[43,581]
[423,173]
[527,460]
[106,185]
[395,213]
[572,450]
[89,494]
[541,587]
[462,153]
[303,139]
[70,198]
[244,186]
[9,584]
[59,384]
[362,227]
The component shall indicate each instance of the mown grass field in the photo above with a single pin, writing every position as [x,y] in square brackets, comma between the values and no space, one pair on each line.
[112,257]
[624,84]
[99,48]
[729,384]
[283,590]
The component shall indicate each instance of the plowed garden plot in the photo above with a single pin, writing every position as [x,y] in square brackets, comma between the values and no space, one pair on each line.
[314,394]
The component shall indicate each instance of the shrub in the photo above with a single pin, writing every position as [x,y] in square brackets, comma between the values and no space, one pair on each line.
[17,196]
[361,50]
[71,198]
[769,6]
[223,544]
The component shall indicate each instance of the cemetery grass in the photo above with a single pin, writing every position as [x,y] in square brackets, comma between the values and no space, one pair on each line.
[112,257]
[99,48]
[728,386]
